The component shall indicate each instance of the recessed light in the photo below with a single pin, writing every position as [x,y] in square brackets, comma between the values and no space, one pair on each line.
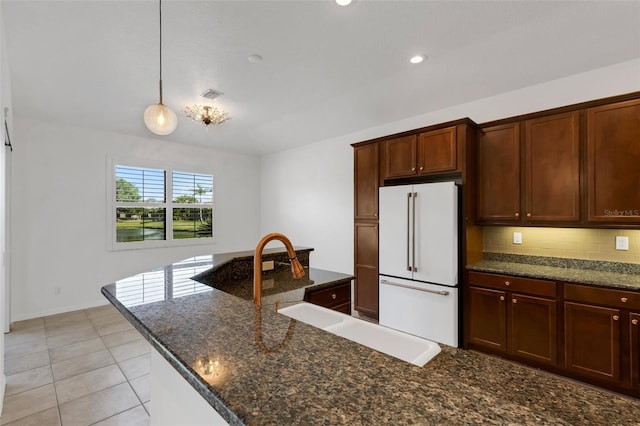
[255,58]
[416,59]
[343,2]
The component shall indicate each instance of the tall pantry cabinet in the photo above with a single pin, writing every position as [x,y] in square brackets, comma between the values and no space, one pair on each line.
[366,172]
[443,152]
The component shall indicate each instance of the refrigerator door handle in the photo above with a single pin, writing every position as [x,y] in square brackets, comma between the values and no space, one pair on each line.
[413,250]
[408,222]
[426,290]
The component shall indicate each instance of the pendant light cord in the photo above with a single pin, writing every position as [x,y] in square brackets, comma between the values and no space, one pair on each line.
[160,6]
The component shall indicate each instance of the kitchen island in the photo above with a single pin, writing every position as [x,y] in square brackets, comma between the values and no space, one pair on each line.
[268,369]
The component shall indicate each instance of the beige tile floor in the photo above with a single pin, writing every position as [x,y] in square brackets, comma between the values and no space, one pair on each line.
[88,367]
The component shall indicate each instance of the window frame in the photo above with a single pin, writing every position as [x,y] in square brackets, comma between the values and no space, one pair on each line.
[168,205]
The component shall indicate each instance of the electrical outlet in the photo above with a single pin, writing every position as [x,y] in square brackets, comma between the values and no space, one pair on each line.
[517,238]
[268,265]
[622,243]
[56,291]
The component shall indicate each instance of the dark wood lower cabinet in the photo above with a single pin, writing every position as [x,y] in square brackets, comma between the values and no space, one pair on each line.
[634,327]
[522,326]
[586,332]
[366,269]
[488,319]
[337,297]
[592,341]
[533,328]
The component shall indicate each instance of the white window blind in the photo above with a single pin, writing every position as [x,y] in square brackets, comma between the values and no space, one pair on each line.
[161,205]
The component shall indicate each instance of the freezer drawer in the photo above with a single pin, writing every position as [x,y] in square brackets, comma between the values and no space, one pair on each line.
[425,310]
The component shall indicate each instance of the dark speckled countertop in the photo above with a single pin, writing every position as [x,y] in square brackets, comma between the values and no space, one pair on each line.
[607,274]
[276,371]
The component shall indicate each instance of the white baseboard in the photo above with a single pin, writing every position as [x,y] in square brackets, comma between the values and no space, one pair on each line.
[60,310]
[3,385]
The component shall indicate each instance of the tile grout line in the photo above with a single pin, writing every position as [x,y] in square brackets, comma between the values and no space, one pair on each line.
[54,381]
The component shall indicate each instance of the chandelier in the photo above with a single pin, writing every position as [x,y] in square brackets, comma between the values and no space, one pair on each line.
[206,114]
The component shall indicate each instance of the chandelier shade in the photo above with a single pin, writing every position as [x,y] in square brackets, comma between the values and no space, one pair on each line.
[160,120]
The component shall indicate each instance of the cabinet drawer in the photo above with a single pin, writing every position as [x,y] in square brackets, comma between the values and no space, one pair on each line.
[602,296]
[519,284]
[332,296]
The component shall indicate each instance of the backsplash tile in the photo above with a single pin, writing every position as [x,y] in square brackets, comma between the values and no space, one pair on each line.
[575,243]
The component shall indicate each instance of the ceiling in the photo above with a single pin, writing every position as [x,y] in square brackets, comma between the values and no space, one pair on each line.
[327,70]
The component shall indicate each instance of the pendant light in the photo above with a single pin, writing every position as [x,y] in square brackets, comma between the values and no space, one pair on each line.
[158,118]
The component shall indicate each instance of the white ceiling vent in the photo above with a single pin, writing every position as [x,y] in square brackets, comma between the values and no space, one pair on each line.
[211,94]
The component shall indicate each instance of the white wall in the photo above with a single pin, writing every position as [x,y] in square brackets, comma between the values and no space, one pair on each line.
[60,210]
[307,193]
[5,102]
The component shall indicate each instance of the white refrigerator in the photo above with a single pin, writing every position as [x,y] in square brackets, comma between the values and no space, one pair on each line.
[418,260]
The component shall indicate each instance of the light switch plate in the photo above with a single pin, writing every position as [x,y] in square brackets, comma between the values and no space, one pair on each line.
[622,243]
[517,238]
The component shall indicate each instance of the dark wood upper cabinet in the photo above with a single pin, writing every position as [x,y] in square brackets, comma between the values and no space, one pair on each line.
[552,168]
[438,151]
[613,151]
[499,174]
[400,157]
[366,166]
[431,152]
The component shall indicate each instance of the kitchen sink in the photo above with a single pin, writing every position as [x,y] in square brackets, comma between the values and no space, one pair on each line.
[406,347]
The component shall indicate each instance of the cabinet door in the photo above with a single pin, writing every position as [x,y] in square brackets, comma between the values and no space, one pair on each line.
[552,168]
[400,158]
[613,142]
[487,318]
[635,350]
[592,339]
[532,328]
[366,164]
[366,269]
[334,297]
[499,174]
[438,151]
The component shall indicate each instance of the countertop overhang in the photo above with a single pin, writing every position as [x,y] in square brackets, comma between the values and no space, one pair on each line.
[298,374]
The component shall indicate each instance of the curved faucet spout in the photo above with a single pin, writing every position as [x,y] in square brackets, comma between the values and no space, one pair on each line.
[296,268]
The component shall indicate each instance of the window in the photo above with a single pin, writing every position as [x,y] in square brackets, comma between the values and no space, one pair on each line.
[162,205]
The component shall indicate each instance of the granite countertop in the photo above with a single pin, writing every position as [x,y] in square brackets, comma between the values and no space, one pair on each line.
[277,371]
[622,276]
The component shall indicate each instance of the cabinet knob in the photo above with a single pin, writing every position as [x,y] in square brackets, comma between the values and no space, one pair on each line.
[634,321]
[501,297]
[623,299]
[333,296]
[507,283]
[616,318]
[517,214]
[421,167]
[528,214]
[514,300]
[413,169]
[375,214]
